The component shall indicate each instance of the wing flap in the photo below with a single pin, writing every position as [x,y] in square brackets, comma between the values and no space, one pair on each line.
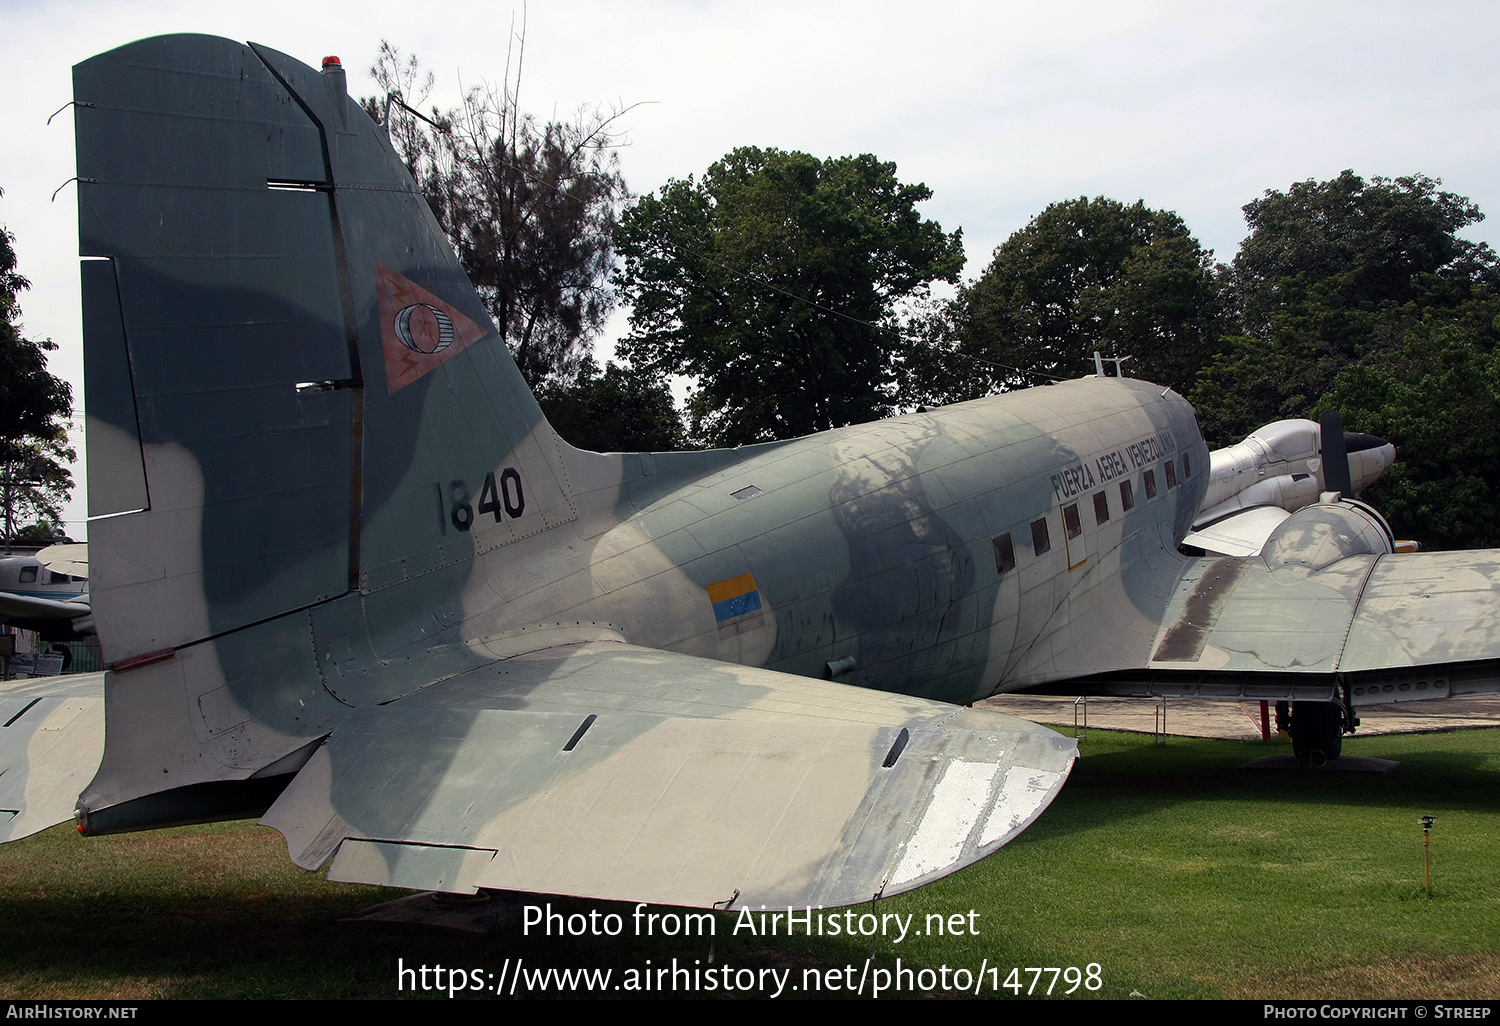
[684,785]
[1240,534]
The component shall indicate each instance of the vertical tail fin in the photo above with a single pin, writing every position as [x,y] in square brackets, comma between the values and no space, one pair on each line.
[296,401]
[298,339]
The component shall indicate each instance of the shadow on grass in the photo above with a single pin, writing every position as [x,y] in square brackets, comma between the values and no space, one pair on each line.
[1122,776]
[1177,872]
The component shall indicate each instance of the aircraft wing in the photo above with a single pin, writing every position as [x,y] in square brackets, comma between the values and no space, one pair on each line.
[1240,534]
[618,772]
[51,740]
[66,558]
[1394,627]
[32,607]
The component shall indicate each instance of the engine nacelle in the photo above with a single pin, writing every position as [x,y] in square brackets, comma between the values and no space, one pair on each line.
[1320,535]
[1281,465]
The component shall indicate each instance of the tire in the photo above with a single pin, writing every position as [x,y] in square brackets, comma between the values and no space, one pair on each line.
[1317,732]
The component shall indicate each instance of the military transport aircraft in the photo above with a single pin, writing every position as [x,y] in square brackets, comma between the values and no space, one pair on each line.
[343,567]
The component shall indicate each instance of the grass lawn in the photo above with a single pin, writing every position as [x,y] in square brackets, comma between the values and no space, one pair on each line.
[1179,874]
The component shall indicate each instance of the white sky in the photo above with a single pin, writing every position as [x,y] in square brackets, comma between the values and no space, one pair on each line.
[999,108]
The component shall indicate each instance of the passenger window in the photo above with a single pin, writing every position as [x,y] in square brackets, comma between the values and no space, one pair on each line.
[1040,541]
[28,575]
[1149,477]
[1187,468]
[1171,474]
[1101,507]
[1005,553]
[1071,523]
[56,578]
[1127,496]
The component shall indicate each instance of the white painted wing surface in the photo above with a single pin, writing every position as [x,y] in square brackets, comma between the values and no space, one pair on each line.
[615,772]
[69,558]
[51,741]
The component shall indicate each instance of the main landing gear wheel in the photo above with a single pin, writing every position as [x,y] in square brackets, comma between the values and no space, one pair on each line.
[1317,733]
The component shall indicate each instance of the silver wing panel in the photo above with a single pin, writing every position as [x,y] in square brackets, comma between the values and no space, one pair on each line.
[1240,534]
[610,771]
[51,740]
[1239,615]
[1364,617]
[1427,607]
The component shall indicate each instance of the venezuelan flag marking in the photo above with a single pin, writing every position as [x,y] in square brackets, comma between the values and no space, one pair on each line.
[734,597]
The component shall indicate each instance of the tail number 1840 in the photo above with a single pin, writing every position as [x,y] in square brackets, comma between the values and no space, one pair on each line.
[497,496]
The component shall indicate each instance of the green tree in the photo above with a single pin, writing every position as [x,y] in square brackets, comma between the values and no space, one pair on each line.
[34,407]
[1436,397]
[618,410]
[41,534]
[777,282]
[1335,272]
[1356,245]
[1085,275]
[530,207]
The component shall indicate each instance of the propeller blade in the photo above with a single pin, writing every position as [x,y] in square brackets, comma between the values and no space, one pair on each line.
[1336,477]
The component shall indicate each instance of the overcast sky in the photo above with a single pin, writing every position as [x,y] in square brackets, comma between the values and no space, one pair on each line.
[999,108]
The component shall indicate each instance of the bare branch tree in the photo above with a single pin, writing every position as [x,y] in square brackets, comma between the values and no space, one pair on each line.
[529,206]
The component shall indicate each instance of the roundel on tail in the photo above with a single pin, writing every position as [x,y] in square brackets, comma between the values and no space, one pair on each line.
[431,332]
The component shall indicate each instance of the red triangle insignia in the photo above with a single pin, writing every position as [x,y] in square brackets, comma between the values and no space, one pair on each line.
[418,331]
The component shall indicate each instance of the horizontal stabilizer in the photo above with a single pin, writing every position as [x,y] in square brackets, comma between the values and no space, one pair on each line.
[51,740]
[610,771]
[70,558]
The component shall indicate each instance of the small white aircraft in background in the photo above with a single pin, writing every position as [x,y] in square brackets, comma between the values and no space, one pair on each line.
[48,592]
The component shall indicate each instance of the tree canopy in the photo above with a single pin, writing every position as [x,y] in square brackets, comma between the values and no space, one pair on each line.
[530,207]
[1334,272]
[1436,396]
[619,409]
[34,407]
[776,282]
[1085,275]
[1357,245]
